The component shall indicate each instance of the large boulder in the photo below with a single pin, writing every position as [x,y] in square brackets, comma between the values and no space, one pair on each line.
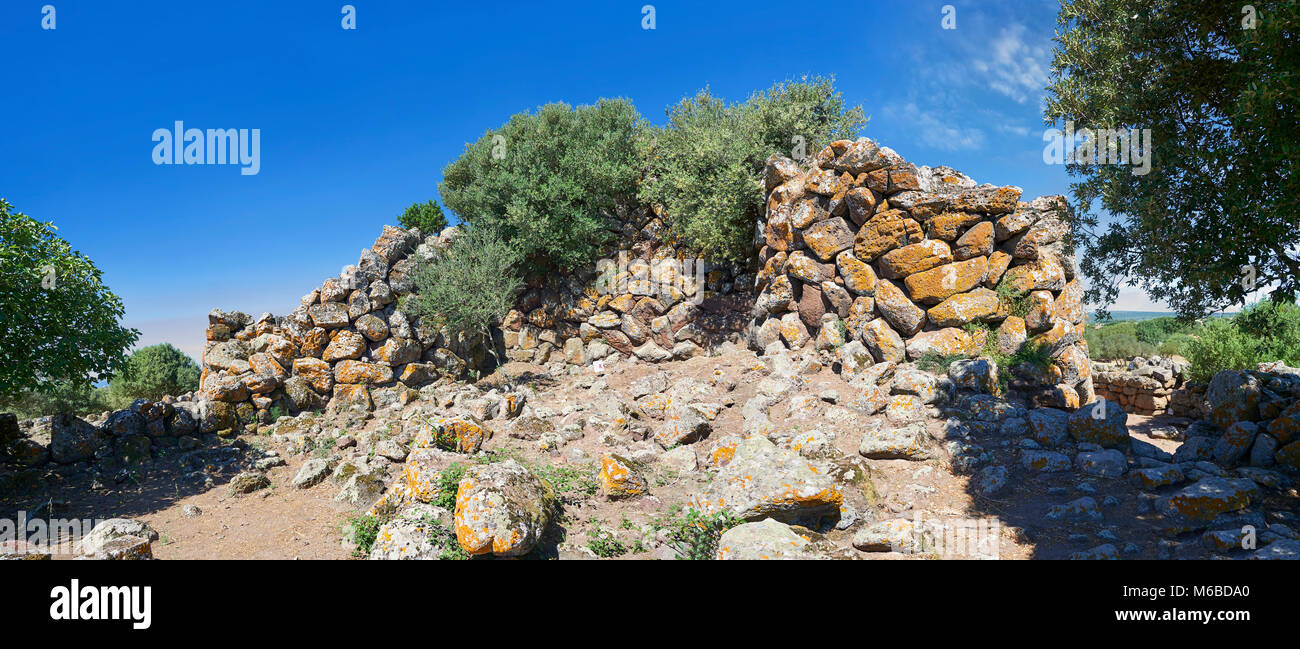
[1233,396]
[73,440]
[114,530]
[1200,503]
[763,480]
[502,509]
[419,532]
[1101,422]
[767,539]
[895,307]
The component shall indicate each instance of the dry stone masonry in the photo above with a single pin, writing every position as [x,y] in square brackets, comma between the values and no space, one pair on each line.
[1142,386]
[861,246]
[648,299]
[348,344]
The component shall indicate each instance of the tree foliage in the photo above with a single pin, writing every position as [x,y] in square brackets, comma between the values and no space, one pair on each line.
[154,371]
[705,166]
[58,322]
[1220,94]
[470,285]
[548,183]
[427,216]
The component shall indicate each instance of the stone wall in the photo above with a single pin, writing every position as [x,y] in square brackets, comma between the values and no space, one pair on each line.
[1142,386]
[346,344]
[859,244]
[856,244]
[646,299]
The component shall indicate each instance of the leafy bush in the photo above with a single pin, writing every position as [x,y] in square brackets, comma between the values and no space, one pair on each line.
[154,371]
[67,397]
[705,166]
[1274,328]
[1176,345]
[58,322]
[695,535]
[1222,346]
[427,216]
[363,530]
[448,486]
[549,182]
[1266,331]
[1158,330]
[604,545]
[469,285]
[1121,346]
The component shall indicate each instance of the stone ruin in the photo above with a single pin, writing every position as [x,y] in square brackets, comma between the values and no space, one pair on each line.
[859,244]
[1143,386]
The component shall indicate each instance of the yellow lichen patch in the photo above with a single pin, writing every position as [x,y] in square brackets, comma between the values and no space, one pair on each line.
[620,477]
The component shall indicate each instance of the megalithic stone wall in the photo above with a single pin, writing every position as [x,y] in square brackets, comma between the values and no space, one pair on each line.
[855,244]
[347,344]
[859,244]
[648,299]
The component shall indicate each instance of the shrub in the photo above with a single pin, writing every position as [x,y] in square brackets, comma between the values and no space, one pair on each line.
[695,535]
[705,166]
[363,530]
[1274,327]
[58,322]
[1120,346]
[467,286]
[67,397]
[1158,330]
[604,545]
[1176,345]
[154,371]
[1265,331]
[550,182]
[427,216]
[448,486]
[1222,346]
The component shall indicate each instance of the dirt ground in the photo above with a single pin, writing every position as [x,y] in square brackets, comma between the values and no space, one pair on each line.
[285,523]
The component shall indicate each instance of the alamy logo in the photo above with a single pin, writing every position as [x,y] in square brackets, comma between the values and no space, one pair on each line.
[220,146]
[77,602]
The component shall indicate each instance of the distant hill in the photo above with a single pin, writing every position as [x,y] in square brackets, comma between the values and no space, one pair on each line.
[1126,316]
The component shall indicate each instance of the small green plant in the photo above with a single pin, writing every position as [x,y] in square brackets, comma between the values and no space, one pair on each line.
[1014,301]
[936,361]
[448,485]
[444,538]
[604,545]
[363,530]
[665,477]
[693,534]
[427,216]
[566,480]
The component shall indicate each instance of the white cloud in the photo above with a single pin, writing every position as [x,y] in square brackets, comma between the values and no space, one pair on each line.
[936,130]
[1013,66]
[1013,129]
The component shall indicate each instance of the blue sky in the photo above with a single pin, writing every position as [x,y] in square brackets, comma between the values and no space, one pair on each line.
[357,124]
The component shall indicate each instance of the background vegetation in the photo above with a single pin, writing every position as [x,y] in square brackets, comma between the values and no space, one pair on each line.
[705,167]
[58,321]
[1218,85]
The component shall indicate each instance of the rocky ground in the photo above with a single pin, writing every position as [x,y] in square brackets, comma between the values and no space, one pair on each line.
[825,456]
